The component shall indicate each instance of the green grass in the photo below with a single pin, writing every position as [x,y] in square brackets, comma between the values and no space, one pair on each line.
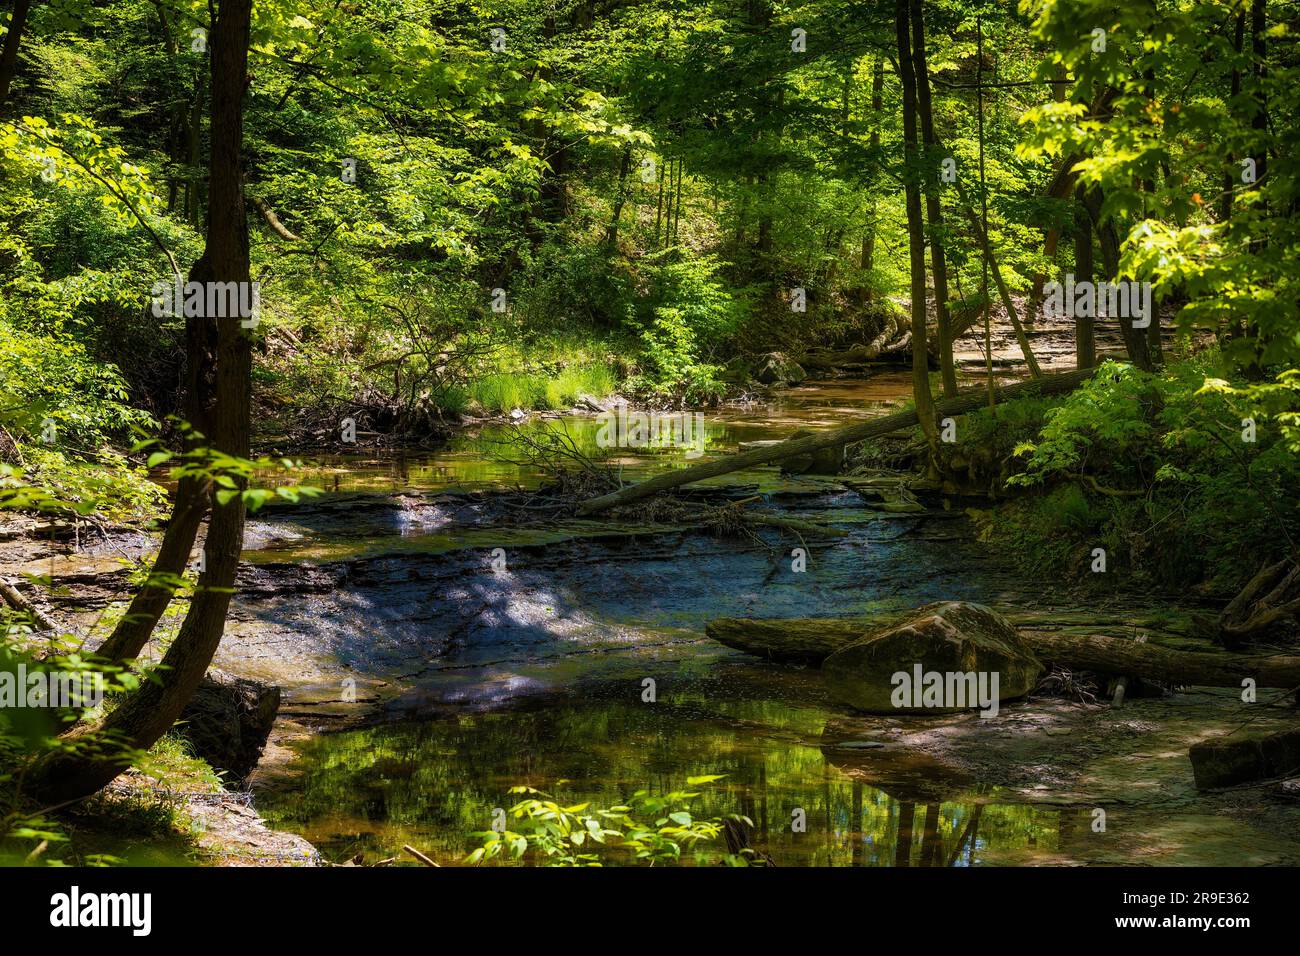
[501,392]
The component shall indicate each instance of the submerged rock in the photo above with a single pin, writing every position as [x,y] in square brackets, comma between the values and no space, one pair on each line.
[948,638]
[227,722]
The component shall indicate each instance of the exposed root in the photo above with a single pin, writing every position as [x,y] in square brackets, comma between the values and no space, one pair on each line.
[1063,683]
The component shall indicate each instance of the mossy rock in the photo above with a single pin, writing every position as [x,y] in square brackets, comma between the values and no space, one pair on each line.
[949,637]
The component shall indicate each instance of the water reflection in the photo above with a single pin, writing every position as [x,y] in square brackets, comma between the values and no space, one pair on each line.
[487,457]
[432,783]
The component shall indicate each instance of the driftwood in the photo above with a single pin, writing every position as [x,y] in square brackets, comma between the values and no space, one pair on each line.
[893,337]
[419,856]
[1272,595]
[20,603]
[811,640]
[968,401]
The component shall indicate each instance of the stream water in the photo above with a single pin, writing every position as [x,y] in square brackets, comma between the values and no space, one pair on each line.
[480,680]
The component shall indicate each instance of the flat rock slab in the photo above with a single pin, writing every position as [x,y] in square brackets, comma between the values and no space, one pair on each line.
[1243,758]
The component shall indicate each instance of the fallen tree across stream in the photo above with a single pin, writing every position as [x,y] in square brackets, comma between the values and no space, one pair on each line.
[970,400]
[811,640]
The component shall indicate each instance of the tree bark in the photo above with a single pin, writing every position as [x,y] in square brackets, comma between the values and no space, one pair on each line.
[1085,345]
[967,401]
[1135,342]
[915,236]
[148,713]
[9,55]
[933,207]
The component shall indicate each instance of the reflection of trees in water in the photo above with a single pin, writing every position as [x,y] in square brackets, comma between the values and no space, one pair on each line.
[433,783]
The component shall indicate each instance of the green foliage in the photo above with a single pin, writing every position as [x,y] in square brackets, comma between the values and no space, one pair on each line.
[1169,474]
[649,829]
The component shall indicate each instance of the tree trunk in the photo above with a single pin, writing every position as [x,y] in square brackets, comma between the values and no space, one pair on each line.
[611,235]
[1135,342]
[869,237]
[933,208]
[677,217]
[149,603]
[1004,293]
[9,55]
[148,713]
[967,401]
[193,135]
[1230,177]
[915,236]
[1085,346]
[659,203]
[1052,235]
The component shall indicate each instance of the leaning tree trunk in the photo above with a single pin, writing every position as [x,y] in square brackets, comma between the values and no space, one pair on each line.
[144,716]
[967,401]
[136,626]
[1135,340]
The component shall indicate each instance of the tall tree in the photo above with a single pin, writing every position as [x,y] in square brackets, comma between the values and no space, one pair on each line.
[933,207]
[867,262]
[1085,348]
[915,235]
[143,717]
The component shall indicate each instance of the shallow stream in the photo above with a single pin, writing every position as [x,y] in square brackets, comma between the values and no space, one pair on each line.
[383,599]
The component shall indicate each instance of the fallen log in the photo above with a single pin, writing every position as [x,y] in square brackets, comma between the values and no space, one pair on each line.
[968,401]
[812,640]
[1154,663]
[19,602]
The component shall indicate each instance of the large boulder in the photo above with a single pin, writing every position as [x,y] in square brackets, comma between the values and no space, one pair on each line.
[227,722]
[774,369]
[950,638]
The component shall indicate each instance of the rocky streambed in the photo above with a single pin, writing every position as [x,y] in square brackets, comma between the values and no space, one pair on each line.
[434,647]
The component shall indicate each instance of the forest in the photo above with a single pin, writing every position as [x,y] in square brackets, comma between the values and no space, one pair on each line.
[709,433]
